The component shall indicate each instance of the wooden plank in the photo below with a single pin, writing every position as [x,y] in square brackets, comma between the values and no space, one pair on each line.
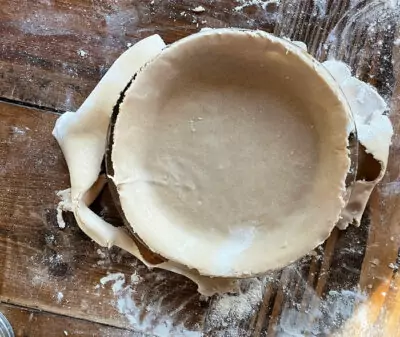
[379,279]
[33,323]
[348,32]
[59,271]
[372,54]
[55,51]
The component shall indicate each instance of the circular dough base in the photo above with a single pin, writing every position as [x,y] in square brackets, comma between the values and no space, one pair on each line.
[230,154]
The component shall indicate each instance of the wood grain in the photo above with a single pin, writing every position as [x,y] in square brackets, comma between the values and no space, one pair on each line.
[55,51]
[362,35]
[33,323]
[40,261]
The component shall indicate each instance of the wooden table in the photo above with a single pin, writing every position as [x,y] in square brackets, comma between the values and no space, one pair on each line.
[53,52]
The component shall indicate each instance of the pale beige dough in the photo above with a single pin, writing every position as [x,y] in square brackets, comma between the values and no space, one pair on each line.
[82,137]
[230,153]
[374,131]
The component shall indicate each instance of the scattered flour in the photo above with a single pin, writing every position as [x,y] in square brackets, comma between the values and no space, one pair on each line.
[60,297]
[60,219]
[82,53]
[18,130]
[320,317]
[48,22]
[18,133]
[260,3]
[198,9]
[360,325]
[38,280]
[64,205]
[125,304]
[135,278]
[228,312]
[101,253]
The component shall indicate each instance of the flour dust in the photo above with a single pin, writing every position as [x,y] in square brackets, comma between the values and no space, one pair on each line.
[235,315]
[242,4]
[144,318]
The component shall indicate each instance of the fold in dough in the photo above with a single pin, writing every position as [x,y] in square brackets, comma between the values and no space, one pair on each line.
[374,131]
[82,138]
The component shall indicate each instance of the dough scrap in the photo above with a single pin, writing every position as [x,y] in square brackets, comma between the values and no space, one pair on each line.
[374,131]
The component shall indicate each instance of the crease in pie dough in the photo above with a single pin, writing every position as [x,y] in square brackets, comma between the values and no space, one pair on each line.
[82,137]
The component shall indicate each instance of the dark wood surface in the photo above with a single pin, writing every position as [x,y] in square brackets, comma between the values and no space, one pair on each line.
[53,53]
[31,322]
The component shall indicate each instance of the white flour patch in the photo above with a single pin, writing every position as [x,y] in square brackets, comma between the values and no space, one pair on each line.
[118,21]
[230,314]
[390,189]
[320,7]
[260,3]
[360,324]
[60,220]
[82,53]
[135,278]
[19,134]
[112,278]
[198,9]
[375,17]
[64,205]
[229,310]
[124,293]
[322,316]
[101,253]
[18,130]
[38,280]
[49,22]
[60,297]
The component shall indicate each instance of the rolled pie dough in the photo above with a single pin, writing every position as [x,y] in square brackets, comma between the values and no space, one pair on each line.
[209,116]
[223,147]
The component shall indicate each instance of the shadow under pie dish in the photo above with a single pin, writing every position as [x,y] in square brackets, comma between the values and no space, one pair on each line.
[228,153]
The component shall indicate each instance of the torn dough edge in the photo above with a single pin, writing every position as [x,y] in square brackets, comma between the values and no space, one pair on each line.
[374,131]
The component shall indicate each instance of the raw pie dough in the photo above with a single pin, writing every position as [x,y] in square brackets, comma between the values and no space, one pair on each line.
[224,146]
[231,248]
